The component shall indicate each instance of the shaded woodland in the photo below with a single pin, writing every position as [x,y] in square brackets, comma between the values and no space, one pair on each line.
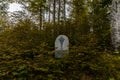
[27,41]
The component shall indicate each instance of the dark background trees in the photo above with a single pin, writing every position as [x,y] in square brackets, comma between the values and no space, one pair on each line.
[27,45]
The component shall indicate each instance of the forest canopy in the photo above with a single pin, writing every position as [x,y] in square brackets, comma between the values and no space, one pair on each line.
[27,40]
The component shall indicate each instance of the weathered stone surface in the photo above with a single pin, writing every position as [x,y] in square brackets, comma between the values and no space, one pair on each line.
[61,46]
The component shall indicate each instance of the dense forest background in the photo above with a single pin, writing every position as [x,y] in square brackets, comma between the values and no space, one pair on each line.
[27,41]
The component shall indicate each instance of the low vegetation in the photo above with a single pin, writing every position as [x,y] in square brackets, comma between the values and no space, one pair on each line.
[24,56]
[27,41]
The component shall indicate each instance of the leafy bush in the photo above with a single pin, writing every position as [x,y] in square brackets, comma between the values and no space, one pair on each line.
[25,56]
[79,64]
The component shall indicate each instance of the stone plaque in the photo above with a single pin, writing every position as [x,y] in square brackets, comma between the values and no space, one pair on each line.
[61,46]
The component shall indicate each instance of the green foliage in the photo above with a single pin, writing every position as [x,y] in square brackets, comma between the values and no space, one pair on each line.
[44,66]
[3,14]
[24,60]
[27,53]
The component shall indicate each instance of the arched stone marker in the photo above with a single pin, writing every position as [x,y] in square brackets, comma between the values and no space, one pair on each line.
[61,46]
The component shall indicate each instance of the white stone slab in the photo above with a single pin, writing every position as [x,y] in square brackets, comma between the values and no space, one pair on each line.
[61,46]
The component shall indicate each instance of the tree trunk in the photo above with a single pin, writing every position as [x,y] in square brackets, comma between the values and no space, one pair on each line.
[54,11]
[40,17]
[49,13]
[59,11]
[64,11]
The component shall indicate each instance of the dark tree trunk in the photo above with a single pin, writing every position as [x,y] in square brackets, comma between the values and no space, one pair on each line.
[49,12]
[64,13]
[59,4]
[54,11]
[40,17]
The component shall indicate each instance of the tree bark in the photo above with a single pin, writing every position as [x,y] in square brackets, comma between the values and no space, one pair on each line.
[40,17]
[59,6]
[64,13]
[54,11]
[49,12]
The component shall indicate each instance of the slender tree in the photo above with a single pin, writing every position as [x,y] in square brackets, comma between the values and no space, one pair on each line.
[64,12]
[49,11]
[59,9]
[54,11]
